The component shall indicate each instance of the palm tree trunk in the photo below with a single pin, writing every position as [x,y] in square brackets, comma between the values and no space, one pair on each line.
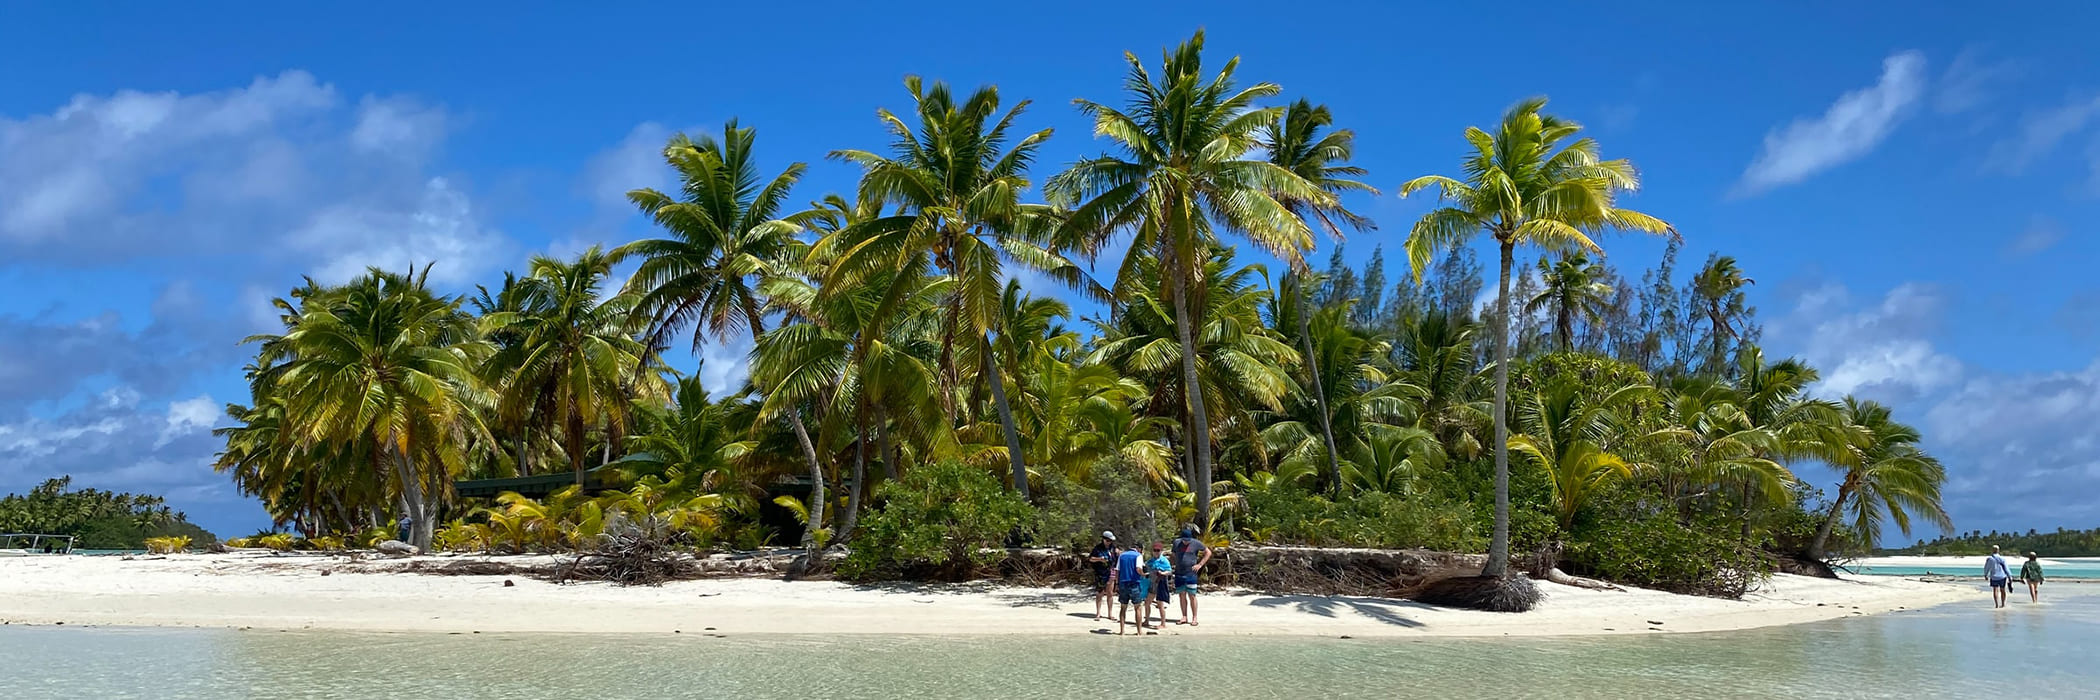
[524,466]
[1815,548]
[1565,326]
[890,455]
[1498,546]
[572,441]
[1713,314]
[1199,422]
[1312,366]
[1006,420]
[809,453]
[413,504]
[860,477]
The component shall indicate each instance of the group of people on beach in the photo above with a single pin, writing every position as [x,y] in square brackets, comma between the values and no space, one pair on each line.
[1136,585]
[1994,568]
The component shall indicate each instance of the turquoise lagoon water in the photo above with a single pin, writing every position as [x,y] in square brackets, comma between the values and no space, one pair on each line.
[1962,650]
[2076,568]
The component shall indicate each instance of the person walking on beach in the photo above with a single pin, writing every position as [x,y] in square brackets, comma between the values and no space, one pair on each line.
[2001,578]
[1101,559]
[1130,588]
[2031,572]
[1190,554]
[1161,579]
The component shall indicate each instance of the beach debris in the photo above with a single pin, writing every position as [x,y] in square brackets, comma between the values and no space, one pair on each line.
[1347,637]
[1655,622]
[397,548]
[1489,593]
[507,583]
[324,572]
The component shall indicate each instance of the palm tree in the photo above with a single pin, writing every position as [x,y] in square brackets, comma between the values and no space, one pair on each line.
[725,235]
[1716,284]
[1294,143]
[1887,477]
[574,350]
[958,187]
[384,364]
[1571,438]
[1526,184]
[1572,288]
[1184,174]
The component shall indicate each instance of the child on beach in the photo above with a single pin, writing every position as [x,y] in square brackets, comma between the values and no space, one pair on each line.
[1161,579]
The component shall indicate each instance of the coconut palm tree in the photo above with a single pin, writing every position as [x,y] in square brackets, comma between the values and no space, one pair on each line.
[1716,286]
[1186,172]
[384,364]
[1572,289]
[1886,477]
[958,186]
[1294,143]
[1573,438]
[726,234]
[575,349]
[1531,182]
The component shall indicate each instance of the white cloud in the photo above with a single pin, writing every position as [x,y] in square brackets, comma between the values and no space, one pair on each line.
[188,416]
[1969,80]
[2020,447]
[1850,128]
[282,173]
[2041,132]
[2041,234]
[1881,352]
[637,161]
[725,365]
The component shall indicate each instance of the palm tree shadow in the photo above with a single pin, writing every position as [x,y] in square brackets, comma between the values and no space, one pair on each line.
[1386,610]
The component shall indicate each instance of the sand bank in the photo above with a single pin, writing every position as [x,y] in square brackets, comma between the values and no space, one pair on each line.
[318,592]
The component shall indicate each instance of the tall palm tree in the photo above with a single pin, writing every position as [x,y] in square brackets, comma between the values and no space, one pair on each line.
[1184,174]
[387,365]
[1526,184]
[1887,477]
[575,348]
[1294,143]
[726,234]
[1715,285]
[958,187]
[1573,288]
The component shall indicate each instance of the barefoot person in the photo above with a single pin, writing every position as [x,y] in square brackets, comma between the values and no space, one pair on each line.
[2031,572]
[1130,588]
[1101,559]
[2001,578]
[1161,578]
[1190,554]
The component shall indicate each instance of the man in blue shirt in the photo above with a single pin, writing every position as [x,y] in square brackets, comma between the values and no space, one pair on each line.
[1130,591]
[2001,577]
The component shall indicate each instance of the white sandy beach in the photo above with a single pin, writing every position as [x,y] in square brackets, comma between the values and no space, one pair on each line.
[292,592]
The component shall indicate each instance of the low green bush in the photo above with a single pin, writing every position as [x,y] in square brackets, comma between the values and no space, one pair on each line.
[935,522]
[1703,558]
[1374,519]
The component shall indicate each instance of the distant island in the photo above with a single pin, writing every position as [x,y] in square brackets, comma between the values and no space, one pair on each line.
[98,519]
[2061,543]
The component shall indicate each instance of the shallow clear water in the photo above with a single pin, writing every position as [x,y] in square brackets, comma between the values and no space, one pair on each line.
[2080,568]
[1965,650]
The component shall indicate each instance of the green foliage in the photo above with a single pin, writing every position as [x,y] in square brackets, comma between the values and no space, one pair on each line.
[1074,514]
[937,522]
[100,519]
[1702,558]
[2061,543]
[1374,519]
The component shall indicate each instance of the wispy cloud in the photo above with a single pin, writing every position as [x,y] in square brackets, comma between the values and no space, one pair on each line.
[1850,128]
[2041,132]
[1970,80]
[2040,234]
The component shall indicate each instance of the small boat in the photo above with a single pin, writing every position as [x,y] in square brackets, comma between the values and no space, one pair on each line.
[39,544]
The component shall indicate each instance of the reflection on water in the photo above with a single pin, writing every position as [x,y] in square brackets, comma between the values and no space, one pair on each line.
[1965,649]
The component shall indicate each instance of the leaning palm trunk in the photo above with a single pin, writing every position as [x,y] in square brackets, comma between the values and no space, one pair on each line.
[413,503]
[1199,423]
[851,517]
[809,453]
[1498,546]
[1312,366]
[1816,547]
[1006,421]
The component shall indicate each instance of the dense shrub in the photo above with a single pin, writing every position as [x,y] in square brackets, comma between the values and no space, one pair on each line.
[1074,514]
[935,522]
[1374,519]
[1703,558]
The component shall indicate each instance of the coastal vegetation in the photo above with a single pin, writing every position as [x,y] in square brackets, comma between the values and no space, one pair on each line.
[911,400]
[2060,543]
[99,519]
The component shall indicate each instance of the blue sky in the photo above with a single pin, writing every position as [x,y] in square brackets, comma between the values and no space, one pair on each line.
[1914,191]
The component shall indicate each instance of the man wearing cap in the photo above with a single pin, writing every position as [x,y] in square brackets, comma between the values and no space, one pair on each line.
[1190,554]
[1100,560]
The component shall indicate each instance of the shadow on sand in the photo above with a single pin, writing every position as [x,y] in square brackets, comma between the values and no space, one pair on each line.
[1384,610]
